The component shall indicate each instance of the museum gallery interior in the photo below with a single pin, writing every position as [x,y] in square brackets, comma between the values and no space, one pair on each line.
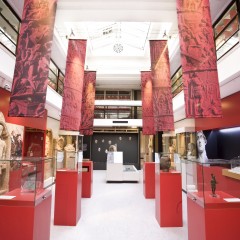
[119,120]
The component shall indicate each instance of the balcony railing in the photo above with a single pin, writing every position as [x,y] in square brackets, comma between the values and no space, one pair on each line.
[118,112]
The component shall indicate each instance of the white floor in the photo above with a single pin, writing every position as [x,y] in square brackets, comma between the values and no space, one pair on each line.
[118,211]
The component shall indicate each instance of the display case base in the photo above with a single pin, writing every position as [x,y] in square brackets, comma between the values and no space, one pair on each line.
[22,219]
[216,219]
[117,172]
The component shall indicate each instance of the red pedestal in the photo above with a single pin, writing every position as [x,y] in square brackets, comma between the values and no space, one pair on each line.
[216,219]
[23,219]
[87,178]
[149,179]
[168,198]
[67,210]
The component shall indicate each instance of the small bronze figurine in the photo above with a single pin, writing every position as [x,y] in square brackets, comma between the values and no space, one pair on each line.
[213,185]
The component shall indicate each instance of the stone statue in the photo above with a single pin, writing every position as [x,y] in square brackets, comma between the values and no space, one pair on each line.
[60,144]
[70,144]
[112,148]
[213,185]
[165,163]
[191,152]
[2,143]
[69,148]
[172,149]
[49,144]
[5,140]
[5,152]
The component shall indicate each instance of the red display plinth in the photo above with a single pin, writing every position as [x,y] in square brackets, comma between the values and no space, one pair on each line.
[168,198]
[214,219]
[67,210]
[87,178]
[22,218]
[149,179]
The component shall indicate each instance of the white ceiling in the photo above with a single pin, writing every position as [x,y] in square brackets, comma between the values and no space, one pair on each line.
[105,23]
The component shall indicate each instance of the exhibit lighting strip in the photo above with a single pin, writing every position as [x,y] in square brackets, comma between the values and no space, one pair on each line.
[229,130]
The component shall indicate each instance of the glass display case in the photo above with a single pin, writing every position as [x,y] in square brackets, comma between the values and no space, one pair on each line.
[213,195]
[115,157]
[216,182]
[169,144]
[69,150]
[186,145]
[27,179]
[168,161]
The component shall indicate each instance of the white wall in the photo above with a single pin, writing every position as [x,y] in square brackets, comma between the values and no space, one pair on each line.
[7,65]
[54,126]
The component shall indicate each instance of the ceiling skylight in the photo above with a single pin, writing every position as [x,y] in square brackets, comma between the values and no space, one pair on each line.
[112,38]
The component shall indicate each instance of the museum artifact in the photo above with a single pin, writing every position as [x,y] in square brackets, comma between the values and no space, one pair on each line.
[165,163]
[213,185]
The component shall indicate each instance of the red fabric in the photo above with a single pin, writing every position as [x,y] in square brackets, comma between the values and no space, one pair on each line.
[73,85]
[32,59]
[147,103]
[230,108]
[162,95]
[39,123]
[198,56]
[88,101]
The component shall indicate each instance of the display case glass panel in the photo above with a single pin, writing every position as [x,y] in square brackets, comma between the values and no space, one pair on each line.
[26,179]
[215,182]
[69,152]
[169,144]
[164,160]
[115,157]
[186,145]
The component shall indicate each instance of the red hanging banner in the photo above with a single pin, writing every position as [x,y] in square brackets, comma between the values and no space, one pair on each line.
[30,79]
[199,62]
[88,102]
[73,85]
[162,95]
[147,103]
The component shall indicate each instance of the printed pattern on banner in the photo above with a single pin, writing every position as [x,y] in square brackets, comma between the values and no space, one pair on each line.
[88,102]
[147,103]
[30,79]
[199,62]
[73,85]
[162,94]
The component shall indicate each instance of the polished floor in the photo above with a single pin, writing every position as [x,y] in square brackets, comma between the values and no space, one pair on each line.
[118,211]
